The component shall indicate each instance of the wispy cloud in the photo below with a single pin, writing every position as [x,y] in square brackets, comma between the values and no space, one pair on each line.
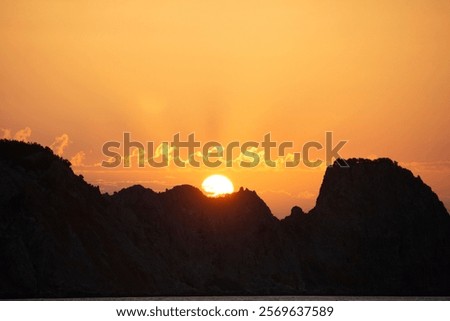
[22,134]
[303,195]
[307,195]
[60,143]
[6,133]
[78,159]
[442,166]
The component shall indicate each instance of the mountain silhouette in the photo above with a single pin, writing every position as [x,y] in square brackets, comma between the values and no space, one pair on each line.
[376,230]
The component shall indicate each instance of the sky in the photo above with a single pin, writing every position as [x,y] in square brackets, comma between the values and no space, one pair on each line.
[77,74]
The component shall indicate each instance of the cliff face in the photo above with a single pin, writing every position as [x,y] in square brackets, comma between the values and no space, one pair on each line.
[61,237]
[376,229]
[229,245]
[57,237]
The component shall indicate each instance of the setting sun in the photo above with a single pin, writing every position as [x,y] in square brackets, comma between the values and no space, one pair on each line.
[216,185]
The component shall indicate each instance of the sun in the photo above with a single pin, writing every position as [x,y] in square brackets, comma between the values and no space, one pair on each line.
[217,185]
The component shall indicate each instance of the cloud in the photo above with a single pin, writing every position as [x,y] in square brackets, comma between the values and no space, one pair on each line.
[60,143]
[6,133]
[307,195]
[78,159]
[23,134]
[442,166]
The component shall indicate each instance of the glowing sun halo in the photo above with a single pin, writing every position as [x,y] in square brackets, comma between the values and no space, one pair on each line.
[217,185]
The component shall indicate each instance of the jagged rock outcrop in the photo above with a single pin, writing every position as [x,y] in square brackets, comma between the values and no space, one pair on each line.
[376,229]
[61,237]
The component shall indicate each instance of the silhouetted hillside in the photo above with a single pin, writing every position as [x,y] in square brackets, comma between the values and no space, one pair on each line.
[376,229]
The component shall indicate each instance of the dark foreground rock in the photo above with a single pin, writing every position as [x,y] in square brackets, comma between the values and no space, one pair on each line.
[376,230]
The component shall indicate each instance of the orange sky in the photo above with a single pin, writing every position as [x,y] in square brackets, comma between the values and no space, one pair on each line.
[375,73]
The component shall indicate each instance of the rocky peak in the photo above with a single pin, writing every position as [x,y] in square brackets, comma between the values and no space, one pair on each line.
[379,221]
[379,185]
[376,230]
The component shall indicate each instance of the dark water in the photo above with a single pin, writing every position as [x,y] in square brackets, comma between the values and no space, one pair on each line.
[272,298]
